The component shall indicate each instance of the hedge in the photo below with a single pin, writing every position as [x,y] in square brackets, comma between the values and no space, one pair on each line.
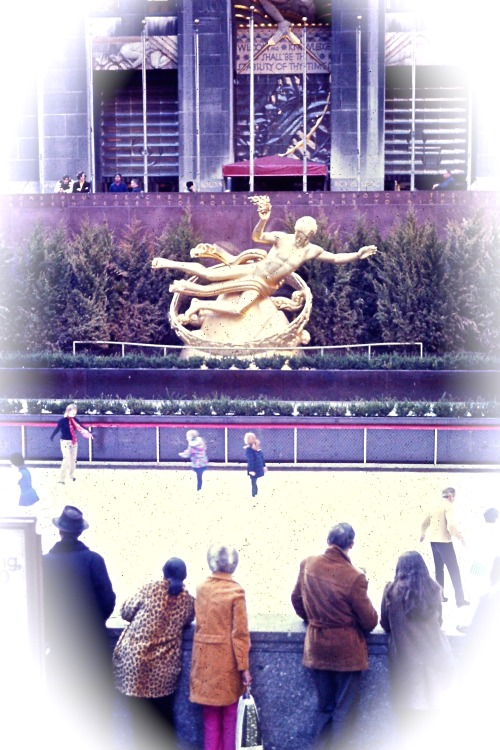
[259,407]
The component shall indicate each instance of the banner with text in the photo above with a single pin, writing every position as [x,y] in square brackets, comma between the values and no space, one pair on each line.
[283,57]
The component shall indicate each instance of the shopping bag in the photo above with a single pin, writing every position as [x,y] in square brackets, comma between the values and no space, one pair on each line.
[248,734]
[478,568]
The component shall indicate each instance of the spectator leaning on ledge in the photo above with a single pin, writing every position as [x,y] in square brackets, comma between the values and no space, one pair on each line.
[81,185]
[64,185]
[448,182]
[331,595]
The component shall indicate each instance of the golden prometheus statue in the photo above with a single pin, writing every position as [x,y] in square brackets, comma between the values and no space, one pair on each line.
[247,314]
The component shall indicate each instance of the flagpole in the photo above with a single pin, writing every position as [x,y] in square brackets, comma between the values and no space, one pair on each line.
[197,101]
[413,96]
[251,118]
[144,107]
[304,104]
[358,100]
[90,104]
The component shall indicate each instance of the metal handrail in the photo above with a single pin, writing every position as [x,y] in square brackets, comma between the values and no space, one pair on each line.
[246,348]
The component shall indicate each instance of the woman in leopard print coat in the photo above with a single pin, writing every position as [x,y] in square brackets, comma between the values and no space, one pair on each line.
[147,657]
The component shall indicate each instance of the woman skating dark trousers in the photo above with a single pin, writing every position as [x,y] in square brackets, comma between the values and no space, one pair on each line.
[256,464]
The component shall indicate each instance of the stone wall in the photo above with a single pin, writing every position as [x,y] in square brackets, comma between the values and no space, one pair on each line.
[228,218]
[284,690]
[280,385]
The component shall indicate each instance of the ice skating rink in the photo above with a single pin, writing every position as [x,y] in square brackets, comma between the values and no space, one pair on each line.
[139,517]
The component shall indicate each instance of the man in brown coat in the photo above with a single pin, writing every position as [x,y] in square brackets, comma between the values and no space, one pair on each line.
[331,595]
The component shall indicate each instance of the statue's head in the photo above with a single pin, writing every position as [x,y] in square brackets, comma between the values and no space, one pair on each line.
[306,225]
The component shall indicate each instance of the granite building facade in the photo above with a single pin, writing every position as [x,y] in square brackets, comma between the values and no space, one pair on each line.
[161,90]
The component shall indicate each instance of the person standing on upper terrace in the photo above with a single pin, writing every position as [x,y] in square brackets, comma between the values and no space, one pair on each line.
[81,185]
[118,186]
[331,595]
[64,185]
[448,182]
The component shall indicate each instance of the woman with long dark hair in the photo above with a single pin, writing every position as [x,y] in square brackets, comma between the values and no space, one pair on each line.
[420,657]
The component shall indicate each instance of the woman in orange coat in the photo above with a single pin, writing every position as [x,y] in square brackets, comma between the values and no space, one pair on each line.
[221,645]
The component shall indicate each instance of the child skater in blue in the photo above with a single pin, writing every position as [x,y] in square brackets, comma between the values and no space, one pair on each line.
[197,452]
[28,495]
[256,465]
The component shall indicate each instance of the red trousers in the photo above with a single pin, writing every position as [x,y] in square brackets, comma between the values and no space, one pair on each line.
[219,727]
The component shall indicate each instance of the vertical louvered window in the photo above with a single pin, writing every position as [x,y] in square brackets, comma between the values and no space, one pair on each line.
[119,142]
[441,123]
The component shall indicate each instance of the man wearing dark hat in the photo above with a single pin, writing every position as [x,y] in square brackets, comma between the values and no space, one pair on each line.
[78,599]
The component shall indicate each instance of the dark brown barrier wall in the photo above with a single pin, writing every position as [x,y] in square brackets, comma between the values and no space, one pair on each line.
[288,385]
[228,218]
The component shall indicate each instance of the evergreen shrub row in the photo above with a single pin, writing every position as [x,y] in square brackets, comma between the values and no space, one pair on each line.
[97,284]
[315,361]
[260,407]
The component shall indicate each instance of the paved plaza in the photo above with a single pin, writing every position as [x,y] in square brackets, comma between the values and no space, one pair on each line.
[141,516]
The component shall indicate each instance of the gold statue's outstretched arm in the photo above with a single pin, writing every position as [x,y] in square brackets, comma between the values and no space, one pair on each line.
[342,258]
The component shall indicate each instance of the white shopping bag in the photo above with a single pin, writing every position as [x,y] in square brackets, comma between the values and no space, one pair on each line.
[248,736]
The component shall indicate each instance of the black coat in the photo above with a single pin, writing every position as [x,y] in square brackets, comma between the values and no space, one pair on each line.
[85,188]
[255,461]
[78,599]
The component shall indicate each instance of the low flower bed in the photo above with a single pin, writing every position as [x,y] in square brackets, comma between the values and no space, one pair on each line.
[262,407]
